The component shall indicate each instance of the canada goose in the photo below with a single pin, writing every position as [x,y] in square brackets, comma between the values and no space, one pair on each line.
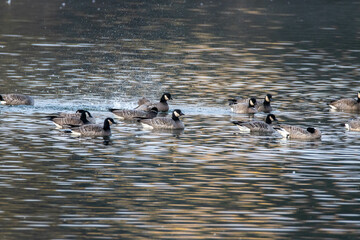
[247,107]
[162,106]
[94,130]
[66,122]
[16,99]
[347,104]
[288,131]
[164,122]
[265,106]
[77,114]
[128,114]
[257,126]
[353,125]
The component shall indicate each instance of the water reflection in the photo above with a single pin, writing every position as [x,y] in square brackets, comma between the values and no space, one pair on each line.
[208,181]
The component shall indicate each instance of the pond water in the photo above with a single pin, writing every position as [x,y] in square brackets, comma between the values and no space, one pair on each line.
[209,181]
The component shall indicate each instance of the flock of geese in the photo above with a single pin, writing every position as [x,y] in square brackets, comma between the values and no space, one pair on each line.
[82,122]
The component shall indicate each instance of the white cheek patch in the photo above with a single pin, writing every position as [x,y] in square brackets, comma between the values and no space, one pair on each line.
[176,114]
[267,99]
[166,98]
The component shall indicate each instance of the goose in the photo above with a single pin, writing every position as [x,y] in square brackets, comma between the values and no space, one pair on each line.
[164,122]
[265,106]
[347,104]
[353,125]
[94,130]
[66,122]
[77,114]
[128,114]
[294,132]
[16,99]
[247,107]
[162,106]
[257,126]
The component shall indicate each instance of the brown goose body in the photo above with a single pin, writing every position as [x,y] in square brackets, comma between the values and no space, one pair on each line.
[162,105]
[257,126]
[94,130]
[265,106]
[16,99]
[67,122]
[295,132]
[346,104]
[164,122]
[244,107]
[129,114]
[77,114]
[353,125]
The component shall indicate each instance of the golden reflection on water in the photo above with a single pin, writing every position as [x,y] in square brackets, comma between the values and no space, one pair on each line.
[206,182]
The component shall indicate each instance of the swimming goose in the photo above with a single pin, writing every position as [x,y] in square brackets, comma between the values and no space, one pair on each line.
[347,104]
[353,125]
[77,114]
[16,99]
[247,107]
[94,130]
[257,126]
[294,132]
[66,122]
[265,106]
[128,114]
[162,106]
[164,122]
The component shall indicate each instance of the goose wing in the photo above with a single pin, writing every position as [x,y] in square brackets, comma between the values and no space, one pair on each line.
[67,121]
[91,130]
[242,108]
[344,103]
[18,99]
[354,125]
[160,122]
[254,126]
[128,113]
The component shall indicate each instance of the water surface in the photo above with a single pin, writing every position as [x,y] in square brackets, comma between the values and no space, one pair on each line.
[209,181]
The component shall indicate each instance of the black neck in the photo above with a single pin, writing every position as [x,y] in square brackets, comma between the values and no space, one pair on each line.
[358,99]
[268,120]
[83,118]
[266,103]
[162,99]
[1,98]
[175,118]
[106,125]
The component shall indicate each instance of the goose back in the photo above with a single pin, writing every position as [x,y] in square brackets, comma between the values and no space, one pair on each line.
[129,114]
[295,132]
[16,99]
[353,125]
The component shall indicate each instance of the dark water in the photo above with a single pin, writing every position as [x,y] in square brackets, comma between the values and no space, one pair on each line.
[209,181]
